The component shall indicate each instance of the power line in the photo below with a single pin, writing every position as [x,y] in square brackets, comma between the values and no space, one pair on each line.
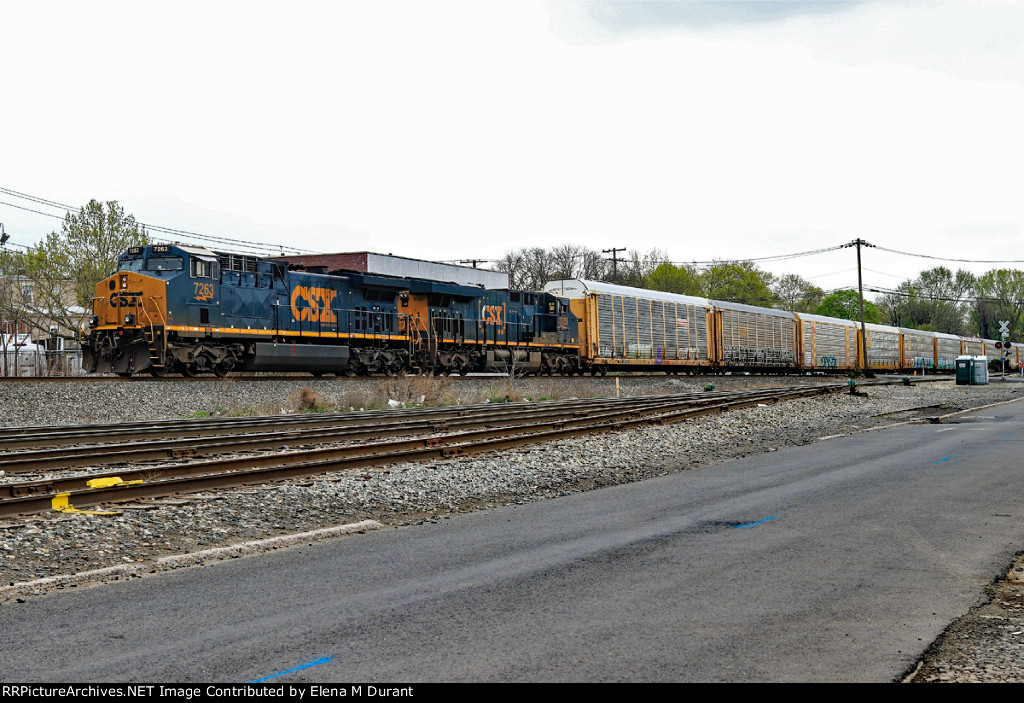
[249,246]
[961,261]
[38,212]
[834,273]
[938,298]
[883,273]
[778,257]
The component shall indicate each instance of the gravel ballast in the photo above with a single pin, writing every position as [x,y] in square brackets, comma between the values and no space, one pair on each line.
[51,551]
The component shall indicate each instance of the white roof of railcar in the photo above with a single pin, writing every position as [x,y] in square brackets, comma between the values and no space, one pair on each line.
[881,328]
[824,318]
[945,335]
[772,312]
[910,330]
[578,288]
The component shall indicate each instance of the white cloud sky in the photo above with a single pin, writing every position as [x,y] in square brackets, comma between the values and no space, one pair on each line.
[456,130]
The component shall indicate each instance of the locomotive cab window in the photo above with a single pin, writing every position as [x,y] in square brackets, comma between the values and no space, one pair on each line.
[203,268]
[164,263]
[130,264]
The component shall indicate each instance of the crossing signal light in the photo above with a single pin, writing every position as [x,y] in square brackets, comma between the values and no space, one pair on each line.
[999,345]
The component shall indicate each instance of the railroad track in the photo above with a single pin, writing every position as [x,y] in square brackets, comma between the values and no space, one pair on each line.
[452,432]
[211,378]
[306,377]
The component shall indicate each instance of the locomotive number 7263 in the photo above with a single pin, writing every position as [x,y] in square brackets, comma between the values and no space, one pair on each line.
[204,291]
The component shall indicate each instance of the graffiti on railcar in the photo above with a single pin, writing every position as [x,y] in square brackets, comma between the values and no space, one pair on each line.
[759,356]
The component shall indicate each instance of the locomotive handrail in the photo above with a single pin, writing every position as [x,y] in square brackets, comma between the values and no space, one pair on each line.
[152,326]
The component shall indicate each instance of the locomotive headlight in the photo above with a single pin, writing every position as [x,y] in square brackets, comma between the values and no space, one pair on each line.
[94,321]
[129,319]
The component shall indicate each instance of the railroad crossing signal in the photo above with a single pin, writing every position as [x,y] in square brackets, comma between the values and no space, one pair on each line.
[1004,328]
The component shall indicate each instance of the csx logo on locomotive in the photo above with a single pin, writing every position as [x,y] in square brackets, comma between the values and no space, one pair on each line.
[318,301]
[124,300]
[491,314]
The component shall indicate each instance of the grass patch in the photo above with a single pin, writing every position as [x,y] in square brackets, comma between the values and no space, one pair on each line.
[307,400]
[416,392]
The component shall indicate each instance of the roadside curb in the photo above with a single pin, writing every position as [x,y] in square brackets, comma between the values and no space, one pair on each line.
[176,561]
[937,419]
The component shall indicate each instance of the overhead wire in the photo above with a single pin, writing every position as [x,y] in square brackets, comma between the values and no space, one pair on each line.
[255,247]
[940,258]
[779,257]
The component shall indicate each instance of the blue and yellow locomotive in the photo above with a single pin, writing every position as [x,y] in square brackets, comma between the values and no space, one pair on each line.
[183,309]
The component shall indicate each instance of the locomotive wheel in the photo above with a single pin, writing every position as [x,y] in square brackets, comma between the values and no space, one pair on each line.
[124,374]
[157,373]
[189,370]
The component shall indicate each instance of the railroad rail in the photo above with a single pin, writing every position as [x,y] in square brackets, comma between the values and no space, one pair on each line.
[708,373]
[468,430]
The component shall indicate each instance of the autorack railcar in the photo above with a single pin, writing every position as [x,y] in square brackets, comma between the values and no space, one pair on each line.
[827,343]
[638,330]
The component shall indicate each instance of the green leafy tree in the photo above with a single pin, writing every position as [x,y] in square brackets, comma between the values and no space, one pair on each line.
[683,280]
[1000,296]
[739,282]
[636,269]
[797,294]
[845,304]
[66,266]
[937,301]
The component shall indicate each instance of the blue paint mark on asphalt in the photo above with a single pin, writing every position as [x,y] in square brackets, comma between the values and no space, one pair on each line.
[754,524]
[1007,437]
[298,668]
[942,460]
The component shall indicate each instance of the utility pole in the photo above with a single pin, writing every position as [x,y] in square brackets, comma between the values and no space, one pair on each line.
[615,261]
[860,288]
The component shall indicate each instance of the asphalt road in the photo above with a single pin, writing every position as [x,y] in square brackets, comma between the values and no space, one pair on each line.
[837,561]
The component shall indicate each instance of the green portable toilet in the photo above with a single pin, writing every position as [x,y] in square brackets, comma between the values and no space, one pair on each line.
[964,365]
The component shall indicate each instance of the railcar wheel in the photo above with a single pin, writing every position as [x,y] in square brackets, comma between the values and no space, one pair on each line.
[189,370]
[124,374]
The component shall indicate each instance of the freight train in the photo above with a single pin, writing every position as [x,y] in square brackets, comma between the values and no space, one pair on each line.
[177,309]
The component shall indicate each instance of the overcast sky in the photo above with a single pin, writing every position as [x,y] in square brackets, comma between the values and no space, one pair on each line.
[457,130]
